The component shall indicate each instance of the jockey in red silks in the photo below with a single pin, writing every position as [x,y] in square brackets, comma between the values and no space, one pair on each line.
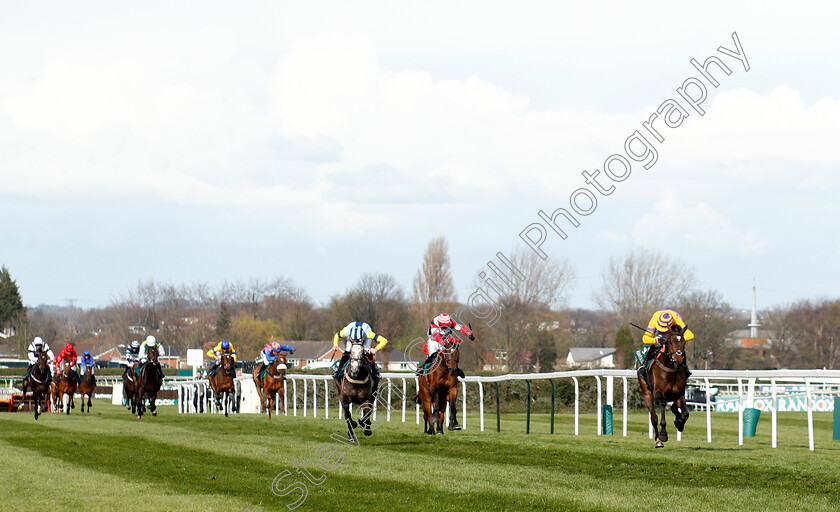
[67,354]
[439,331]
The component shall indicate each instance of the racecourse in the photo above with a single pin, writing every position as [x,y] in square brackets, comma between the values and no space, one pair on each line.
[109,460]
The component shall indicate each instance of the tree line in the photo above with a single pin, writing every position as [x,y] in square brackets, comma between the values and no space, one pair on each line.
[535,330]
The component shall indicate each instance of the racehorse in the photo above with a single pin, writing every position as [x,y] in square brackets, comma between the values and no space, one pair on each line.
[222,382]
[667,383]
[356,387]
[86,387]
[273,385]
[130,388]
[440,386]
[64,389]
[39,380]
[148,383]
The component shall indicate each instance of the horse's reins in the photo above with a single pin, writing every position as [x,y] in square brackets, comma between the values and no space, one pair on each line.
[670,358]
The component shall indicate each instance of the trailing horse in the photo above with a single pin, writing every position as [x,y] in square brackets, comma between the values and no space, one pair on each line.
[221,382]
[87,387]
[38,381]
[666,383]
[130,388]
[356,387]
[149,382]
[272,386]
[438,387]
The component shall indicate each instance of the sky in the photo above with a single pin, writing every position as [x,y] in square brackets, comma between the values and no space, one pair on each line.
[211,142]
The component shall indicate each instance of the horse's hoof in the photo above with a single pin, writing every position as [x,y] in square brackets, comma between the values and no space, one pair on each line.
[430,432]
[660,444]
[454,427]
[368,432]
[154,413]
[440,433]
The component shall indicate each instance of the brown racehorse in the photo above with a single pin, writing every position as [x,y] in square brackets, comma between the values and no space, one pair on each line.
[438,387]
[222,382]
[130,388]
[667,376]
[356,387]
[148,383]
[273,385]
[39,380]
[86,387]
[63,390]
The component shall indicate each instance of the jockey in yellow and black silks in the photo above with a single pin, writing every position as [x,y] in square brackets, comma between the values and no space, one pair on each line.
[658,331]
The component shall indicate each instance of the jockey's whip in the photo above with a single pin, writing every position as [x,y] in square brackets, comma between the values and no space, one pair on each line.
[637,327]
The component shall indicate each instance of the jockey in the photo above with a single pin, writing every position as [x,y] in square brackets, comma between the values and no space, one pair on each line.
[223,347]
[657,332]
[39,345]
[270,352]
[67,354]
[150,342]
[88,362]
[132,355]
[359,331]
[439,331]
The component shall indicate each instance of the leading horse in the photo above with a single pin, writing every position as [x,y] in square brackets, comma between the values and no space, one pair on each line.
[666,383]
[38,381]
[356,387]
[221,382]
[149,382]
[438,387]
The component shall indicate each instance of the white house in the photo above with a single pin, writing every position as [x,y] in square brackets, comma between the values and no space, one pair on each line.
[591,357]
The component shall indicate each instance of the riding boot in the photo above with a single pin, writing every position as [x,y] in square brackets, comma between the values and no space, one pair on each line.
[687,370]
[341,363]
[460,373]
[77,377]
[426,363]
[160,373]
[259,369]
[28,370]
[212,370]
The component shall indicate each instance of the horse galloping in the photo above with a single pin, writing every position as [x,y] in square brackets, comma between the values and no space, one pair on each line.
[87,387]
[63,390]
[130,388]
[273,385]
[667,384]
[221,382]
[356,387]
[149,382]
[439,387]
[39,380]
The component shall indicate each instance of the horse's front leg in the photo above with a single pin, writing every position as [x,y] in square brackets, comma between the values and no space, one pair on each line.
[663,433]
[152,406]
[367,411]
[654,421]
[681,412]
[453,410]
[440,411]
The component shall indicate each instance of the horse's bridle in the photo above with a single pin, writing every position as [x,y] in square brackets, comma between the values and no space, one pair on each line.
[449,357]
[671,355]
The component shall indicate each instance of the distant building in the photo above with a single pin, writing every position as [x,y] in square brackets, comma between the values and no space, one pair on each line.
[308,352]
[8,352]
[597,357]
[168,356]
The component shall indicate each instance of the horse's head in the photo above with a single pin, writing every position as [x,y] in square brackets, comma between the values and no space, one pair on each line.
[356,352]
[43,359]
[675,346]
[451,355]
[152,354]
[227,361]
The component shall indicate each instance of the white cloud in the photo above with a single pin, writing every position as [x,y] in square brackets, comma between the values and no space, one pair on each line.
[676,219]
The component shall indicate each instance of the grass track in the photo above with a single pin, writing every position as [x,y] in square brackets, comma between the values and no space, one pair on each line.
[209,463]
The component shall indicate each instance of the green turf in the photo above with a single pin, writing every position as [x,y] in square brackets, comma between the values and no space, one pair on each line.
[109,460]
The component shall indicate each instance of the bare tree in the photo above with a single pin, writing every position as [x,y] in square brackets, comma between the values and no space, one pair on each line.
[529,308]
[641,283]
[710,319]
[787,334]
[433,284]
